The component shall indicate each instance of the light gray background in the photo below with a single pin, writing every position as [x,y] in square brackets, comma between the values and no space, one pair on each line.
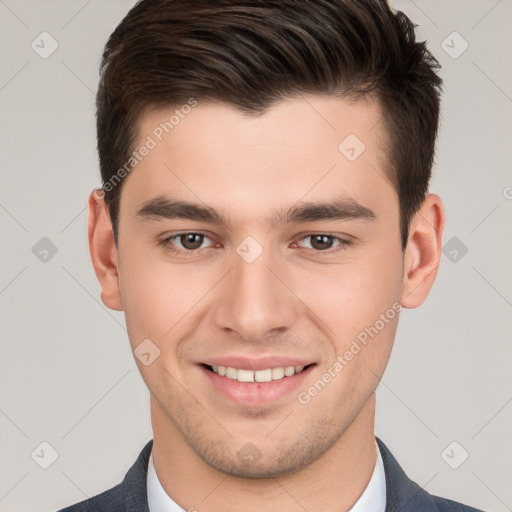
[67,374]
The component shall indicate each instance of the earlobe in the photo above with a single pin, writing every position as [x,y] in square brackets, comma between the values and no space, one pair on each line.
[104,253]
[423,251]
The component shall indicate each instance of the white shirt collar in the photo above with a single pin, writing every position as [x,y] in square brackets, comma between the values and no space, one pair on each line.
[373,497]
[158,499]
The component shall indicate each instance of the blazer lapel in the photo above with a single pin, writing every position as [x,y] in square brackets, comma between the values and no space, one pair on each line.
[134,486]
[402,494]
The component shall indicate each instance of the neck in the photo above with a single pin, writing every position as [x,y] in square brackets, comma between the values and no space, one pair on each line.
[334,482]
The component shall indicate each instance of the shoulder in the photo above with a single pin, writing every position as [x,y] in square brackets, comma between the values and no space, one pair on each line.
[404,495]
[446,505]
[111,500]
[130,495]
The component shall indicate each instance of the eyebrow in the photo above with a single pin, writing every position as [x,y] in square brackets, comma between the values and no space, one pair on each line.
[344,208]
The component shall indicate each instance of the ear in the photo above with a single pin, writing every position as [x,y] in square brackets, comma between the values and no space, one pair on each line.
[423,251]
[103,251]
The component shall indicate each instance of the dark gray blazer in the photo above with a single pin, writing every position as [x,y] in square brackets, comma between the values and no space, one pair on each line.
[403,495]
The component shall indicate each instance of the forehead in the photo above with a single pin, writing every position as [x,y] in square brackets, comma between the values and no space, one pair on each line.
[293,122]
[299,148]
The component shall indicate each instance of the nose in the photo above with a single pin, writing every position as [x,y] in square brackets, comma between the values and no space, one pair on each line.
[254,301]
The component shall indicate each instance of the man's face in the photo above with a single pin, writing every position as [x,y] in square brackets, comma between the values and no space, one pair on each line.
[264,291]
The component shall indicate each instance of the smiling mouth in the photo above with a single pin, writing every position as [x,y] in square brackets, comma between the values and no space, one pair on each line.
[267,375]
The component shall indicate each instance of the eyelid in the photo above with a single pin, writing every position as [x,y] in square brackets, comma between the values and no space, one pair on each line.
[166,240]
[341,241]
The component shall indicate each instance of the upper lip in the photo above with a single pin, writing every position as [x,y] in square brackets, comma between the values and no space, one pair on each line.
[255,364]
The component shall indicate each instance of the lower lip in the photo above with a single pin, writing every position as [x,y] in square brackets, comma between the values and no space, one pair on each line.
[255,393]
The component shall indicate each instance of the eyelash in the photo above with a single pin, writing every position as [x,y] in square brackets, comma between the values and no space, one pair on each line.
[166,243]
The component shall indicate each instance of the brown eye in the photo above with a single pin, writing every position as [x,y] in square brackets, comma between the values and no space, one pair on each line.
[191,241]
[321,242]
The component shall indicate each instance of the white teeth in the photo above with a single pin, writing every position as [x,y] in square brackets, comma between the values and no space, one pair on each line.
[277,373]
[289,371]
[262,375]
[231,373]
[256,376]
[245,376]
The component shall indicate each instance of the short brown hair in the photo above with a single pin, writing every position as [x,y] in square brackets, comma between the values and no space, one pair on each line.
[251,53]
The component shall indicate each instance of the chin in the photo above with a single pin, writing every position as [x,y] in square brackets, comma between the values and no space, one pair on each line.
[266,458]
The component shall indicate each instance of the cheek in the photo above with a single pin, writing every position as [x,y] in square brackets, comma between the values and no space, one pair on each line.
[145,297]
[161,299]
[363,293]
[161,303]
[361,307]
